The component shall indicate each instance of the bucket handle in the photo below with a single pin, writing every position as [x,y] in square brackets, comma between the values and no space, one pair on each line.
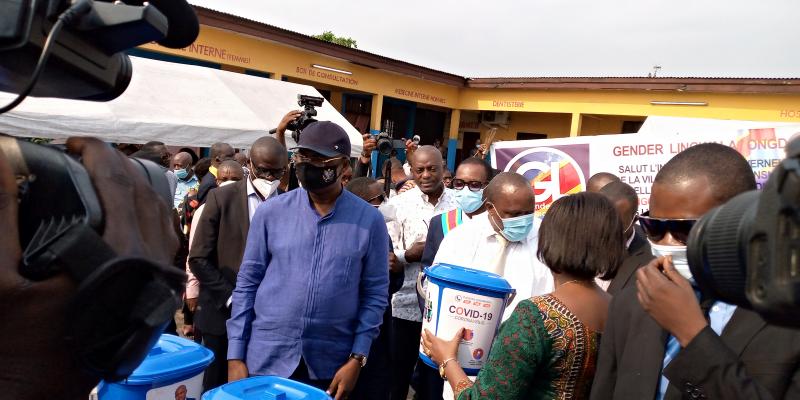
[422,297]
[511,298]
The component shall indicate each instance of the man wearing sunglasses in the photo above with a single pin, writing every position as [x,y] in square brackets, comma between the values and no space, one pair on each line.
[218,244]
[313,283]
[664,339]
[626,201]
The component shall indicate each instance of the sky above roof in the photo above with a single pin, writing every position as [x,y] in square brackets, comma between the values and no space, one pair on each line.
[731,38]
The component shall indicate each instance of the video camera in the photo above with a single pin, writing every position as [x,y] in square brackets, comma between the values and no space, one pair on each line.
[747,251]
[306,116]
[75,49]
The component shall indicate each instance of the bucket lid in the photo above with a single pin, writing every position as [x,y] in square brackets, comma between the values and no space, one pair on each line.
[470,277]
[172,357]
[266,388]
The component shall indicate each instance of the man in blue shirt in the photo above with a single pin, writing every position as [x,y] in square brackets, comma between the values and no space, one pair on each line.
[311,290]
[187,180]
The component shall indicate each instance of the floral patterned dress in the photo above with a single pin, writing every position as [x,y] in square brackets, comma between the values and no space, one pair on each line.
[543,351]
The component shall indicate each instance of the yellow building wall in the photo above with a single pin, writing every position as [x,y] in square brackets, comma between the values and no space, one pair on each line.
[605,124]
[238,52]
[233,49]
[756,107]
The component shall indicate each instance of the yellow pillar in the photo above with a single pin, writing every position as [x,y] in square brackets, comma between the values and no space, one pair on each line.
[375,114]
[336,100]
[575,127]
[452,142]
[375,127]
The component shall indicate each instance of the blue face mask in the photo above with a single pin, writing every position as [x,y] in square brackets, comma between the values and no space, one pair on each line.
[468,200]
[516,229]
[181,173]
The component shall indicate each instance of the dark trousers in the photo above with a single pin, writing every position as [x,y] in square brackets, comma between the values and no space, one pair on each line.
[427,383]
[216,373]
[300,374]
[405,352]
[375,379]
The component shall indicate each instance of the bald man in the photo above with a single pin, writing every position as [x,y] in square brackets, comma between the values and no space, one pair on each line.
[503,240]
[187,181]
[600,180]
[219,242]
[219,153]
[414,208]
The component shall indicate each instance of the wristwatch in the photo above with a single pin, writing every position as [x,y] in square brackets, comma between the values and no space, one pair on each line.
[443,365]
[362,359]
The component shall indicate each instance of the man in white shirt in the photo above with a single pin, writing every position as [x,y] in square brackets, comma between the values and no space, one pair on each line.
[502,240]
[408,230]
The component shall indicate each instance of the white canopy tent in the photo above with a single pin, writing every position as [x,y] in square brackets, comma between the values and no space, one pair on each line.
[180,105]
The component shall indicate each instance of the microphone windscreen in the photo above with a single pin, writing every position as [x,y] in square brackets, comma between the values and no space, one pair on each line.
[183,24]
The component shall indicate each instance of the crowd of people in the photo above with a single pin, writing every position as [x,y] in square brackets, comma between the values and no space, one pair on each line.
[318,283]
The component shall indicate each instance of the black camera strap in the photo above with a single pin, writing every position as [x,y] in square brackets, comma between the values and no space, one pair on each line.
[121,306]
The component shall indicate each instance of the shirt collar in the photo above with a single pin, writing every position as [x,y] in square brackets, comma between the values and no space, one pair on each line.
[251,190]
[630,239]
[444,196]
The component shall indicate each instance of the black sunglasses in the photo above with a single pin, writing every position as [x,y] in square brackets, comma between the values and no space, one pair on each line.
[263,173]
[657,228]
[474,186]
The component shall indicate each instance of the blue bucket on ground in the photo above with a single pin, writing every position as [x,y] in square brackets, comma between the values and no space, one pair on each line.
[458,297]
[173,369]
[266,388]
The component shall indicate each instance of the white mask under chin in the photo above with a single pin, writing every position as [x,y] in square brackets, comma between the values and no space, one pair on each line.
[265,187]
[679,258]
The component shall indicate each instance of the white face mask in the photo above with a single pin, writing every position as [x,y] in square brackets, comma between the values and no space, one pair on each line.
[265,187]
[679,258]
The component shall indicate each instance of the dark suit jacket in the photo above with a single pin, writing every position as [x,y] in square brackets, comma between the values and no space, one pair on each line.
[639,254]
[216,254]
[433,241]
[208,183]
[750,360]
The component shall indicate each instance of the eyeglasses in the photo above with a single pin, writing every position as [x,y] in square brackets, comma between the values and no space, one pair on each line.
[633,221]
[657,228]
[298,158]
[380,199]
[264,173]
[474,186]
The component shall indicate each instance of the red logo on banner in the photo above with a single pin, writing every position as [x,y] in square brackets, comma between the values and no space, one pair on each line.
[551,172]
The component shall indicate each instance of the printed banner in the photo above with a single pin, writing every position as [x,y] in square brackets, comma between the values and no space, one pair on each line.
[559,167]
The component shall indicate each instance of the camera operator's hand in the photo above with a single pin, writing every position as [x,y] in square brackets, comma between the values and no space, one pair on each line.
[36,364]
[280,131]
[670,299]
[369,145]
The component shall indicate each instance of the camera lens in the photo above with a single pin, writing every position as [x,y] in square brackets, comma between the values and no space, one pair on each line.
[717,248]
[385,146]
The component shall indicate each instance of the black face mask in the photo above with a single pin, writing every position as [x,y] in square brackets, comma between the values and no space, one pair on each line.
[315,178]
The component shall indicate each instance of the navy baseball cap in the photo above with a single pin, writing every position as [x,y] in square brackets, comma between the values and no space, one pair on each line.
[326,138]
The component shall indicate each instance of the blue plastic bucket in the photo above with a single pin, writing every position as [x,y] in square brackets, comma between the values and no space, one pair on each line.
[266,388]
[458,297]
[172,370]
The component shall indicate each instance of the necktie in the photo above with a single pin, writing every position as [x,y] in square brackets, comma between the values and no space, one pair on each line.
[499,263]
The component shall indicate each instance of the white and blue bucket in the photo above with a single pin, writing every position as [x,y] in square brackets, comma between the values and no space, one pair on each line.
[458,297]
[266,388]
[173,369]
